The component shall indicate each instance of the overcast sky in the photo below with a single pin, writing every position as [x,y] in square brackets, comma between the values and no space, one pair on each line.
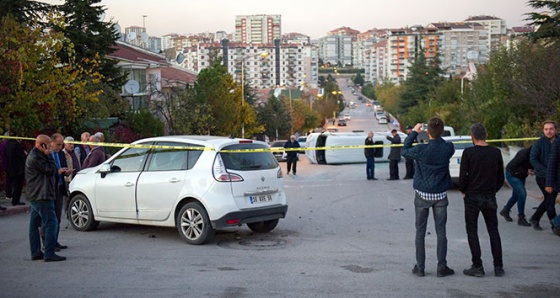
[311,17]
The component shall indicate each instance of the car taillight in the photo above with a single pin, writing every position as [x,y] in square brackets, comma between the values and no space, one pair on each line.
[279,174]
[245,141]
[220,172]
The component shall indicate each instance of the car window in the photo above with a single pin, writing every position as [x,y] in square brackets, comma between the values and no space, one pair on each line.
[168,159]
[464,144]
[248,161]
[130,160]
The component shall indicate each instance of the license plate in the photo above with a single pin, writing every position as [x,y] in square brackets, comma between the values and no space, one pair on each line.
[260,199]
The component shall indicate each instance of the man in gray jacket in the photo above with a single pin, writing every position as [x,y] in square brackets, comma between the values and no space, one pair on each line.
[40,172]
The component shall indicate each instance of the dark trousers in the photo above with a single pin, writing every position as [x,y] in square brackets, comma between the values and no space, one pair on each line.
[547,205]
[370,167]
[14,186]
[58,203]
[485,204]
[42,215]
[394,169]
[409,168]
[422,210]
[292,163]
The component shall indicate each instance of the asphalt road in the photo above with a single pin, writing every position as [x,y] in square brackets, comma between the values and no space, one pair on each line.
[344,236]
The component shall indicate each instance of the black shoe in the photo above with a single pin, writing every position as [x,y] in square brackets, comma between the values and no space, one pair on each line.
[499,271]
[407,178]
[521,221]
[2,208]
[473,271]
[535,224]
[18,204]
[54,258]
[417,271]
[556,230]
[445,271]
[392,179]
[505,214]
[60,246]
[37,257]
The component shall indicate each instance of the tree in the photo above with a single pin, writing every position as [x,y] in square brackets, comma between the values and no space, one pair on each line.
[548,23]
[38,93]
[91,37]
[359,79]
[275,118]
[24,11]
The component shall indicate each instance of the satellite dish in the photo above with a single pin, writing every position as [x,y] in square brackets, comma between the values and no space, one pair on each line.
[180,58]
[131,36]
[277,92]
[144,37]
[132,86]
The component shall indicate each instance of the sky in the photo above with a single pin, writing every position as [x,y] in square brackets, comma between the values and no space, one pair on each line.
[310,17]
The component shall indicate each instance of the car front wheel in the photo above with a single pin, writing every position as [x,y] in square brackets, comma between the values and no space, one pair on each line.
[263,226]
[80,214]
[193,224]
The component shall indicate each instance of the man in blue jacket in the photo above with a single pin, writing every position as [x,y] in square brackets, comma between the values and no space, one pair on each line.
[553,179]
[431,182]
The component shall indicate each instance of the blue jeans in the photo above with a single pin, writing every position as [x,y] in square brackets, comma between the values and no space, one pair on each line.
[370,167]
[556,221]
[422,210]
[42,214]
[485,204]
[518,194]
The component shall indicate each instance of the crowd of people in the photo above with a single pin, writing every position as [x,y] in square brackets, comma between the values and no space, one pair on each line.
[46,171]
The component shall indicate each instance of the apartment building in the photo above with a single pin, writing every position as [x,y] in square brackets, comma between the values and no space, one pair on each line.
[137,36]
[375,62]
[495,29]
[336,49]
[258,29]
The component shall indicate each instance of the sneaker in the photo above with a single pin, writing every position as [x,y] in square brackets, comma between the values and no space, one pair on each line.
[521,221]
[445,271]
[535,224]
[473,271]
[499,271]
[505,214]
[417,271]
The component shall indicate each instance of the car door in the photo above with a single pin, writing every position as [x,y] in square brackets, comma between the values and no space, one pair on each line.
[160,185]
[116,192]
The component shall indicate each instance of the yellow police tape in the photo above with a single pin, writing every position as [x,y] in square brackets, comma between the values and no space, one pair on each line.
[272,149]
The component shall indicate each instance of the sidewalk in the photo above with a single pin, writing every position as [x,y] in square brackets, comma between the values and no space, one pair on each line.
[11,210]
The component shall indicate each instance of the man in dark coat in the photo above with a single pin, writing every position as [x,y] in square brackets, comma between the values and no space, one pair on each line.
[60,186]
[394,155]
[15,171]
[292,155]
[370,157]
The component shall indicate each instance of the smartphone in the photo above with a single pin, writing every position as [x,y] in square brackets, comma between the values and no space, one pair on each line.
[44,146]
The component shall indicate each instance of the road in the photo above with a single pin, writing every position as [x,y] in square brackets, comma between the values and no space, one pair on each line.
[343,236]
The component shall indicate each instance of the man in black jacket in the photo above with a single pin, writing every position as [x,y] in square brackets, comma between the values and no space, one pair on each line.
[292,155]
[370,157]
[394,155]
[517,171]
[40,192]
[61,171]
[15,171]
[481,175]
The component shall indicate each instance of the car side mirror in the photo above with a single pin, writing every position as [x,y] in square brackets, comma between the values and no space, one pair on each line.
[104,169]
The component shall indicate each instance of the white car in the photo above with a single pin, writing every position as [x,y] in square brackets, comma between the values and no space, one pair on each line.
[191,182]
[460,143]
[382,120]
[347,117]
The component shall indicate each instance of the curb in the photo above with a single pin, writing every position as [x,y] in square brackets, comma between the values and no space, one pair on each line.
[11,210]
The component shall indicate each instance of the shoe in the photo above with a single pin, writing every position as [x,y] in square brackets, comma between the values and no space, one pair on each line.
[373,178]
[473,271]
[499,271]
[37,257]
[392,179]
[521,221]
[294,173]
[407,178]
[60,246]
[2,208]
[535,224]
[505,214]
[417,271]
[445,271]
[18,204]
[54,258]
[556,231]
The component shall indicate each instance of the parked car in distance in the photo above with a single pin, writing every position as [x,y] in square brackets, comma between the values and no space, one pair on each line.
[195,183]
[368,104]
[460,143]
[341,122]
[301,141]
[382,120]
[379,114]
[347,117]
[278,150]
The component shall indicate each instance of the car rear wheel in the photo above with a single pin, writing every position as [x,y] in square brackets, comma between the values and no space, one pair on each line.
[80,214]
[263,226]
[193,224]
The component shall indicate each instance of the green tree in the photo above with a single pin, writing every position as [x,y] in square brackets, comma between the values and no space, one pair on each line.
[90,37]
[24,11]
[548,23]
[275,118]
[38,92]
[368,90]
[359,79]
[144,123]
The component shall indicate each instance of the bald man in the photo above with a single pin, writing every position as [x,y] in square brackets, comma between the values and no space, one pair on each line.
[40,173]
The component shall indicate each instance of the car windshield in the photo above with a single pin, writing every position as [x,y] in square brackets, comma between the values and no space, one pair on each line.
[247,161]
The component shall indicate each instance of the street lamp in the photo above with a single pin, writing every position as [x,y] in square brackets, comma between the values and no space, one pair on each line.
[263,55]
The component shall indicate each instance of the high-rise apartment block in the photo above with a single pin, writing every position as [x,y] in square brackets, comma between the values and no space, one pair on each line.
[257,29]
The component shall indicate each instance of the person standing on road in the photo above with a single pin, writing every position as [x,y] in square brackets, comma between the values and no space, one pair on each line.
[81,150]
[15,171]
[539,156]
[292,155]
[62,171]
[370,157]
[96,155]
[517,171]
[553,179]
[408,161]
[431,182]
[40,176]
[481,175]
[394,155]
